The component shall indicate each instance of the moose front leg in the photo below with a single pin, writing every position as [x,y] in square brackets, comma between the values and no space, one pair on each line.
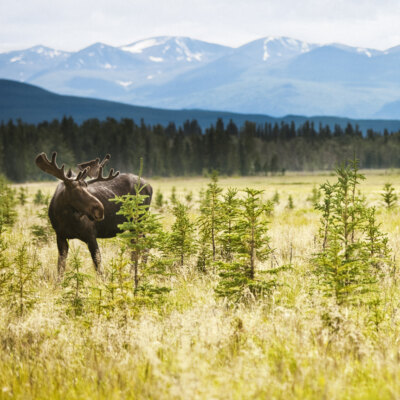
[96,255]
[62,245]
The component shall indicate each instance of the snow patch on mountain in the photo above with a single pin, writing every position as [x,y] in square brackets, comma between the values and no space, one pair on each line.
[141,45]
[156,59]
[283,46]
[124,84]
[364,51]
[18,58]
[184,49]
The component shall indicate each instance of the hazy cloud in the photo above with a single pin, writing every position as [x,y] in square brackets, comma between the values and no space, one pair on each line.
[75,24]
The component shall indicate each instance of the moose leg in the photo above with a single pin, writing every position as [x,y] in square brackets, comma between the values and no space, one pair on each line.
[96,255]
[62,245]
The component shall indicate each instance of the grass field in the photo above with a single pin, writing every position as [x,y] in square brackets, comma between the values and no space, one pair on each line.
[195,346]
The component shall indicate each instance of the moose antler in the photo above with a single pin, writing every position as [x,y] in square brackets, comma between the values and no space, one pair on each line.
[52,168]
[94,165]
[101,178]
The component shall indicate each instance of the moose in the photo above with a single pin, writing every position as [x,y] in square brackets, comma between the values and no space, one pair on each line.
[81,209]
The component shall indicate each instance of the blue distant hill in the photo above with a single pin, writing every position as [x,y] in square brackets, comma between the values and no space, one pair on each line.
[33,105]
[273,76]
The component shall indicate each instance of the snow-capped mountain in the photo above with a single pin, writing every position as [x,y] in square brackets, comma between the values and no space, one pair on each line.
[98,56]
[22,64]
[271,75]
[167,49]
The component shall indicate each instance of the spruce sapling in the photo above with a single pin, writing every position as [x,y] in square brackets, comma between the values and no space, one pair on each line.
[141,232]
[290,204]
[230,211]
[181,241]
[241,278]
[276,197]
[75,284]
[22,195]
[210,214]
[350,238]
[389,196]
[21,285]
[158,200]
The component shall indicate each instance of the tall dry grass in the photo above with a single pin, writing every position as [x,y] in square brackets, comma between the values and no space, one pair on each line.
[294,345]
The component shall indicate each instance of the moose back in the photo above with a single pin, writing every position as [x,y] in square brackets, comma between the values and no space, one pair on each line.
[81,209]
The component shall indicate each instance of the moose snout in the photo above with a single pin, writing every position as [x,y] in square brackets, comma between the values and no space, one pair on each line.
[98,212]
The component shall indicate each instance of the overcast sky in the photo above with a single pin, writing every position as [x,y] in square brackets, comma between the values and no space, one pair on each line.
[74,24]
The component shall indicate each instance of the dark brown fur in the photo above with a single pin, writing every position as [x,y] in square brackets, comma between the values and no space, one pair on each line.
[82,210]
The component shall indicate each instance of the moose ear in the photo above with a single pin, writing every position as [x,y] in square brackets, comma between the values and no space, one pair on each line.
[69,173]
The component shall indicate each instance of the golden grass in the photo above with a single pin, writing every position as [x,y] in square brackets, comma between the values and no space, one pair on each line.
[194,346]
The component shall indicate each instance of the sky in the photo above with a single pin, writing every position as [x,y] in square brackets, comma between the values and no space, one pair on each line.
[74,24]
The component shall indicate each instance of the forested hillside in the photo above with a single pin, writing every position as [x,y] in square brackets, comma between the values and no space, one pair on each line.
[170,151]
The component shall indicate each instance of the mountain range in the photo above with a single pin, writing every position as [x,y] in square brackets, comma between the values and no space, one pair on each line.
[273,75]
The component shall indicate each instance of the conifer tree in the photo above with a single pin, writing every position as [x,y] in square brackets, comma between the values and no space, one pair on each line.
[241,278]
[210,215]
[40,198]
[5,271]
[119,288]
[276,197]
[230,211]
[290,204]
[315,196]
[181,242]
[173,199]
[21,294]
[141,233]
[8,213]
[44,232]
[75,284]
[22,195]
[389,196]
[351,240]
[158,199]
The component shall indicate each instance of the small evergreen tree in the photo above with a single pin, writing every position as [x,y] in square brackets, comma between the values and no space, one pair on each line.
[290,204]
[21,294]
[351,240]
[189,197]
[315,196]
[181,241]
[141,232]
[241,278]
[43,233]
[40,198]
[159,200]
[276,197]
[119,287]
[5,271]
[230,211]
[8,213]
[173,199]
[389,196]
[22,195]
[210,218]
[75,284]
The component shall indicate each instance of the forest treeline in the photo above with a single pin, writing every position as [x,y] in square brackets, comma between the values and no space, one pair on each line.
[183,151]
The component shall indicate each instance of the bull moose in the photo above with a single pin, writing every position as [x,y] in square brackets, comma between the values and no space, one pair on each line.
[81,209]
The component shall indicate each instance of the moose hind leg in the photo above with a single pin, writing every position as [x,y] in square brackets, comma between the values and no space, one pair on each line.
[96,255]
[62,245]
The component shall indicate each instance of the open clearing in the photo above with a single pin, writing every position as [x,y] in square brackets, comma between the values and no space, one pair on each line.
[196,347]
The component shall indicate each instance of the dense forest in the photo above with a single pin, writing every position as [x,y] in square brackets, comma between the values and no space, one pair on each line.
[183,151]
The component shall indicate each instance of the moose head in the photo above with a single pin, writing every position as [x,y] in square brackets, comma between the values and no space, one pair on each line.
[75,192]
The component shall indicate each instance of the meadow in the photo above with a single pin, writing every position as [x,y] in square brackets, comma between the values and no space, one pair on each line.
[293,344]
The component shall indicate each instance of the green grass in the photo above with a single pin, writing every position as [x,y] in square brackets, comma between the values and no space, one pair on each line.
[194,346]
